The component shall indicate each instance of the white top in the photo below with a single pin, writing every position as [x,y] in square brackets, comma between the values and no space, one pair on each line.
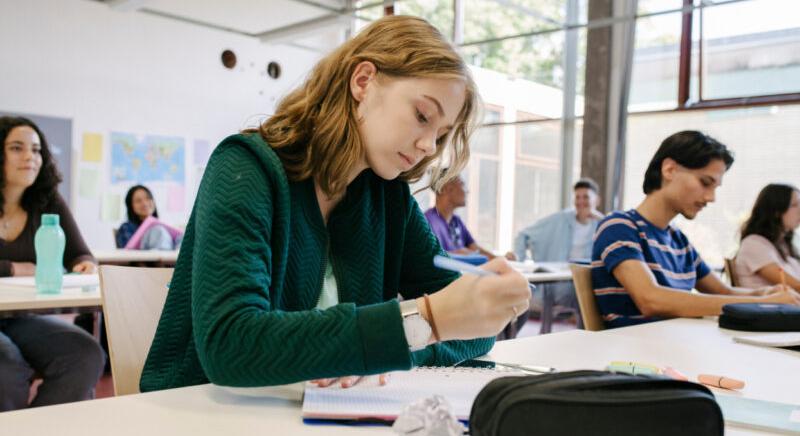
[581,239]
[329,295]
[755,253]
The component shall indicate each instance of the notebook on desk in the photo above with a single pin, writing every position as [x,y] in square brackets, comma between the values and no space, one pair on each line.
[368,401]
[759,414]
[790,340]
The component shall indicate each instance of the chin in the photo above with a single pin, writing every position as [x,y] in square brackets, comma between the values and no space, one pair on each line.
[387,173]
[689,215]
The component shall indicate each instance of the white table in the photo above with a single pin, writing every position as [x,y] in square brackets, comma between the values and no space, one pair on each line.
[209,410]
[553,272]
[16,299]
[122,256]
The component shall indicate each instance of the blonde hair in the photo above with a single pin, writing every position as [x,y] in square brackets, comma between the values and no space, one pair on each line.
[315,127]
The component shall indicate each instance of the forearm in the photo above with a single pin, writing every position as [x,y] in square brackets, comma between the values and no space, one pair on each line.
[666,302]
[257,348]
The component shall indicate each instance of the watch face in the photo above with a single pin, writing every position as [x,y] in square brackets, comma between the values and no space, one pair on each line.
[417,331]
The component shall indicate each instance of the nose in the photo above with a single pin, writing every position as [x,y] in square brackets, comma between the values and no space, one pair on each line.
[427,143]
[711,195]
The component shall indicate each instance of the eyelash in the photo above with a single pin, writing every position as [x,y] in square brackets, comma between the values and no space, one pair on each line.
[421,118]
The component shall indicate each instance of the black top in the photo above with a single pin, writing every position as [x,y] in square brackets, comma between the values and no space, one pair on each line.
[22,248]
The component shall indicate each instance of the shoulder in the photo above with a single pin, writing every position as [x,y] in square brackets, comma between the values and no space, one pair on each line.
[755,242]
[246,158]
[618,220]
[127,225]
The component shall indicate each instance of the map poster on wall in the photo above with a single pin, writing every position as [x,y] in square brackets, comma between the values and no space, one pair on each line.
[147,158]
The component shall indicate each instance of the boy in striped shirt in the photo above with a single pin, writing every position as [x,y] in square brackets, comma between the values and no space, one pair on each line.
[642,267]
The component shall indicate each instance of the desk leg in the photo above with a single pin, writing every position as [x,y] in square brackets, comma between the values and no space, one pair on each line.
[548,306]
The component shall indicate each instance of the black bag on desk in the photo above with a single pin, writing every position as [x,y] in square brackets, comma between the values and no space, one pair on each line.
[594,403]
[760,317]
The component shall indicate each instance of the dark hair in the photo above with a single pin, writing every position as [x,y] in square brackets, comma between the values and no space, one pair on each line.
[586,183]
[132,217]
[689,148]
[44,189]
[766,219]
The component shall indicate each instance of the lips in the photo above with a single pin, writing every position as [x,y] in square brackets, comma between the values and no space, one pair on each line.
[408,161]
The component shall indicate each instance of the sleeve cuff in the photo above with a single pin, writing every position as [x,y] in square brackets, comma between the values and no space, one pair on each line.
[383,339]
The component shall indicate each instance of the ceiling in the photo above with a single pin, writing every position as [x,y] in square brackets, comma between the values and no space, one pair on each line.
[313,24]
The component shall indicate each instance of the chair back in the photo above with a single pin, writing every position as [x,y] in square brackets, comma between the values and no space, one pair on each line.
[730,271]
[582,278]
[132,302]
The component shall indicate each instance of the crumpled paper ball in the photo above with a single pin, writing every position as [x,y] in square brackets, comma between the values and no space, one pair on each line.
[428,417]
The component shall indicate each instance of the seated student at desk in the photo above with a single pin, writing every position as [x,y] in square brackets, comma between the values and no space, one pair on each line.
[449,229]
[563,236]
[766,254]
[141,209]
[643,267]
[69,360]
[304,231]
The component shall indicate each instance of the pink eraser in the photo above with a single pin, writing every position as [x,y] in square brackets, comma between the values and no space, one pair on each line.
[675,374]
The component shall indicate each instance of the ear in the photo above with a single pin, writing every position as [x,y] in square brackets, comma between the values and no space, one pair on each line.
[363,74]
[668,169]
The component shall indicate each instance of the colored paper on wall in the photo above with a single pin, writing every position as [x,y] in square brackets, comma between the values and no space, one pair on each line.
[110,208]
[202,151]
[92,147]
[176,198]
[88,180]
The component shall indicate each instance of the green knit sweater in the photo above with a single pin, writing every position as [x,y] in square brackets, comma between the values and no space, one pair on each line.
[241,305]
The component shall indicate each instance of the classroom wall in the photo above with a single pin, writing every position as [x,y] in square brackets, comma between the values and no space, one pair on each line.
[135,74]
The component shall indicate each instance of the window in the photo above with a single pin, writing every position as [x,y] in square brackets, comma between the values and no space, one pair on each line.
[749,48]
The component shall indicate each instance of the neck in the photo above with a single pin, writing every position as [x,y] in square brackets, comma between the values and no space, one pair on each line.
[584,217]
[12,197]
[656,210]
[445,209]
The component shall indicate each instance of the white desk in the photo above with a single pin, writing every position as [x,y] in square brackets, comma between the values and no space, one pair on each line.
[122,256]
[209,410]
[19,299]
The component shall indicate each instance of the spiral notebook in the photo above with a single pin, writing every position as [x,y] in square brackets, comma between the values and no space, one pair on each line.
[368,401]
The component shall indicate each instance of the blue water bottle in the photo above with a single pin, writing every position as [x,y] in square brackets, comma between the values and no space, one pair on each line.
[49,243]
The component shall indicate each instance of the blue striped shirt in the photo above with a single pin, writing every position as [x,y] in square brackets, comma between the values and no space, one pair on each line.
[667,252]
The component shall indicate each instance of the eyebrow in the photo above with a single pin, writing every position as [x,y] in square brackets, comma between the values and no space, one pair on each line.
[438,105]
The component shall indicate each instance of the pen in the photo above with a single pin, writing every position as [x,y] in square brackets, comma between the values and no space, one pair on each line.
[527,368]
[463,267]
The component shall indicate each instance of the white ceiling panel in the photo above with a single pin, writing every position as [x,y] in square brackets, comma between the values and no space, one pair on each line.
[248,16]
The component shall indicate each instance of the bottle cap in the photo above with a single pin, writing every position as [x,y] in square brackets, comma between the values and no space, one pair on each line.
[50,219]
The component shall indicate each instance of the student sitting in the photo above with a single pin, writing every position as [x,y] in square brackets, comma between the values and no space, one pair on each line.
[766,254]
[304,231]
[643,267]
[68,359]
[143,230]
[563,236]
[449,229]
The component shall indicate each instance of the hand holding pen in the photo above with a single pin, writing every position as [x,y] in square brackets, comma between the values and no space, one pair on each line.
[480,303]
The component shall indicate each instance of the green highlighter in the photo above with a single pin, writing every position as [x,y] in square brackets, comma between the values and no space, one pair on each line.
[634,368]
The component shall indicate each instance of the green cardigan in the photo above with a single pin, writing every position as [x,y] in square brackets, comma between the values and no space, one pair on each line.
[241,304]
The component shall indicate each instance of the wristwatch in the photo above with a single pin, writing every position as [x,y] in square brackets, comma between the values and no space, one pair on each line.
[417,329]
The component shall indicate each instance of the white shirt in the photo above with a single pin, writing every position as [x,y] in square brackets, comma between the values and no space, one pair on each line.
[581,240]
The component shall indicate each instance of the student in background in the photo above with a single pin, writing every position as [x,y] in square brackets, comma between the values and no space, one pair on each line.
[766,255]
[69,360]
[448,227]
[563,236]
[143,215]
[304,231]
[643,267]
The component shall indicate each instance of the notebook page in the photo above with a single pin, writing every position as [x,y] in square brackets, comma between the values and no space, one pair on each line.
[368,399]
